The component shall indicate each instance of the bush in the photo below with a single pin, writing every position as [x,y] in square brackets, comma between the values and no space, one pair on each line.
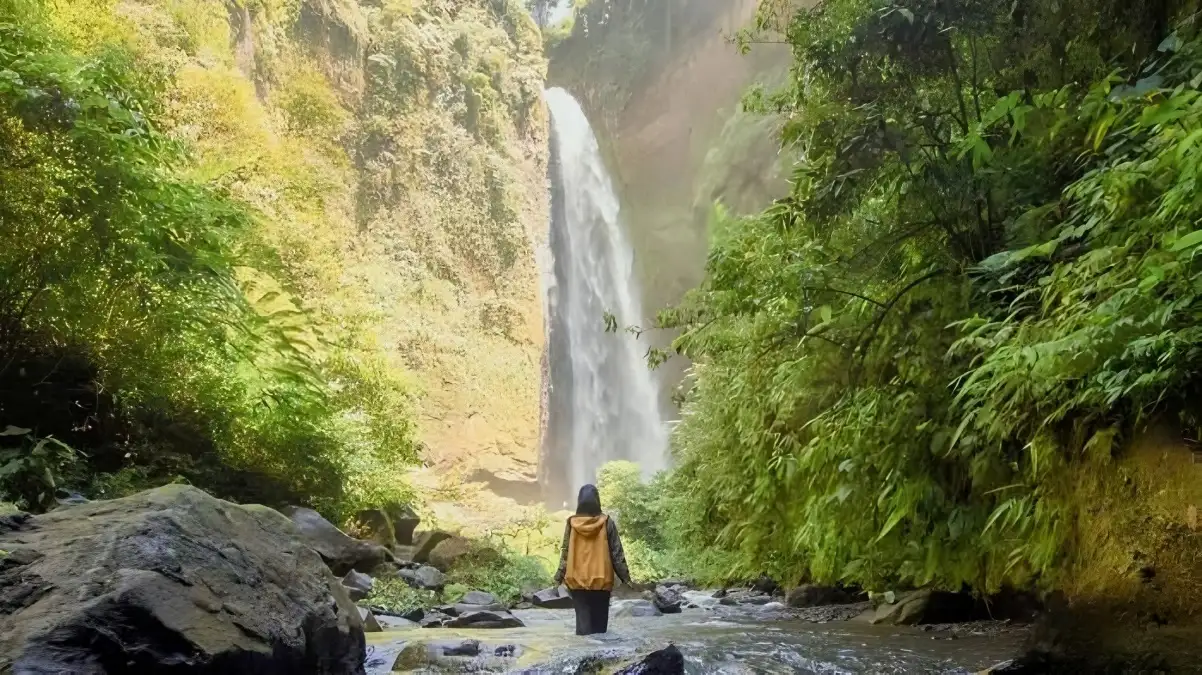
[500,571]
[394,595]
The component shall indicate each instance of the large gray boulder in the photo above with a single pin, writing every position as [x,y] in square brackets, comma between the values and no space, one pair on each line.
[341,551]
[167,581]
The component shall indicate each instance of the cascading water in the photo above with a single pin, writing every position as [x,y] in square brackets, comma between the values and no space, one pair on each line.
[603,400]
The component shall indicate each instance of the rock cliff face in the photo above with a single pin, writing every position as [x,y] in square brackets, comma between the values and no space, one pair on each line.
[661,84]
[397,151]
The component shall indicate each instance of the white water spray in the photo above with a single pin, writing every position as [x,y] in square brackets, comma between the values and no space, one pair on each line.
[603,400]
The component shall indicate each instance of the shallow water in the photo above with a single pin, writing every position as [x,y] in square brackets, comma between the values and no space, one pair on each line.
[718,640]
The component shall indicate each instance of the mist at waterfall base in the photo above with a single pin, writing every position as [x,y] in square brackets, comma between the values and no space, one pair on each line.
[603,402]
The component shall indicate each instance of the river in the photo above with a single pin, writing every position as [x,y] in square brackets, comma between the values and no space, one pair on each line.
[716,640]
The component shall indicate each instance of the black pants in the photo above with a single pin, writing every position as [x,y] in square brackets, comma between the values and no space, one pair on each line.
[592,611]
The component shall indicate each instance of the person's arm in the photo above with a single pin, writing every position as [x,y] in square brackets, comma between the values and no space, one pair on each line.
[616,555]
[563,555]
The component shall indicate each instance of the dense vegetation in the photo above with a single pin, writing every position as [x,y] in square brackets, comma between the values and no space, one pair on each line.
[197,204]
[983,280]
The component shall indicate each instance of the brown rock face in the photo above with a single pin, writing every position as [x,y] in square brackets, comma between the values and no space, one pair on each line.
[167,581]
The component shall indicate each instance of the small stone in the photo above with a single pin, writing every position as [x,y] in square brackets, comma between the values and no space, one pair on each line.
[370,624]
[552,598]
[358,585]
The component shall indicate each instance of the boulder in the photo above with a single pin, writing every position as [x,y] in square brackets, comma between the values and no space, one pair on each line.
[478,598]
[375,526]
[766,585]
[447,552]
[667,600]
[339,550]
[370,624]
[635,608]
[433,619]
[414,615]
[669,661]
[404,521]
[425,577]
[394,622]
[552,598]
[926,606]
[170,580]
[358,585]
[464,608]
[485,619]
[812,595]
[424,543]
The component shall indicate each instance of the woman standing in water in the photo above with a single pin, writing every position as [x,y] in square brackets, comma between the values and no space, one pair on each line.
[592,555]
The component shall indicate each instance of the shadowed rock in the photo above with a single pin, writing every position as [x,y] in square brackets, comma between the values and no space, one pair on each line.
[167,581]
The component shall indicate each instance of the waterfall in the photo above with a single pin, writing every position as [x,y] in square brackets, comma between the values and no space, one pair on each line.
[603,401]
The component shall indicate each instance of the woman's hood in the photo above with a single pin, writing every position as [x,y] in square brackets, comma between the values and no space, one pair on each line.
[588,526]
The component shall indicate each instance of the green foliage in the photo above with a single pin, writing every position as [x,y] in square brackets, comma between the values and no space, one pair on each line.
[31,469]
[151,267]
[394,595]
[499,570]
[979,279]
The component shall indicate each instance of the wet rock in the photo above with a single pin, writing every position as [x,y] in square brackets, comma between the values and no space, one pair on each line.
[667,600]
[668,661]
[404,521]
[552,598]
[433,619]
[766,585]
[449,610]
[464,608]
[926,606]
[173,580]
[745,597]
[414,615]
[478,598]
[394,622]
[635,608]
[523,605]
[358,585]
[68,498]
[485,619]
[462,648]
[812,595]
[341,552]
[720,593]
[370,624]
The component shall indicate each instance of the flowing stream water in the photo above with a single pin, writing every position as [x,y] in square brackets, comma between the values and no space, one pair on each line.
[603,403]
[734,640]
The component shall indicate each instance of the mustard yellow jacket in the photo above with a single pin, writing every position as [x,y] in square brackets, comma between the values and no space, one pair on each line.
[592,555]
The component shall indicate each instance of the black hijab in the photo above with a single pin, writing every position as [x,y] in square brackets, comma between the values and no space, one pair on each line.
[589,501]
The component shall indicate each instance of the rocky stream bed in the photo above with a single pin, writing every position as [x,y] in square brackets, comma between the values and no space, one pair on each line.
[175,581]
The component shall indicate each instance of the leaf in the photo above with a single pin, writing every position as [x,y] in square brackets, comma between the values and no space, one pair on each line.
[1190,240]
[896,517]
[10,430]
[825,313]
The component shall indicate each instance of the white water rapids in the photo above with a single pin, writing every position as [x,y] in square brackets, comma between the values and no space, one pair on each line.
[603,401]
